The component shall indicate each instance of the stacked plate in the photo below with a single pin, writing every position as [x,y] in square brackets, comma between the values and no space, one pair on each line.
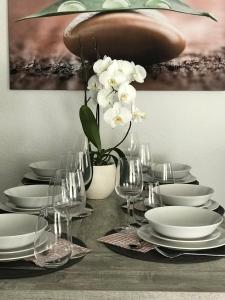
[27,198]
[30,199]
[184,228]
[42,171]
[17,234]
[186,195]
[180,173]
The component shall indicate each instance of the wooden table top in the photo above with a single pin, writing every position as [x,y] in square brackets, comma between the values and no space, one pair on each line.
[107,275]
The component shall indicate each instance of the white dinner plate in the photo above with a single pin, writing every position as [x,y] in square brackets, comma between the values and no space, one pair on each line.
[210,204]
[41,241]
[25,254]
[207,238]
[188,179]
[32,176]
[9,207]
[145,233]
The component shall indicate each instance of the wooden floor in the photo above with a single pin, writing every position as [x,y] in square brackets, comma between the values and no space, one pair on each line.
[103,274]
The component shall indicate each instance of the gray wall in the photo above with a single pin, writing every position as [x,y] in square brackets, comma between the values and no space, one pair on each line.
[181,126]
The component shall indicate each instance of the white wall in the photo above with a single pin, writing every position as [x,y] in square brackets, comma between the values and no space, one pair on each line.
[182,126]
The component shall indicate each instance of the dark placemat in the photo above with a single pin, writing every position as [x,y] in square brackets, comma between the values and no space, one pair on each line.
[27,181]
[154,256]
[220,210]
[74,218]
[196,182]
[20,268]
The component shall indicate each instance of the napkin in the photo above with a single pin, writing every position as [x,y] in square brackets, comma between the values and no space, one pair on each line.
[59,252]
[125,239]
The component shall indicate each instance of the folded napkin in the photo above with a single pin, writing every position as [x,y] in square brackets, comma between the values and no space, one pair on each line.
[58,252]
[125,206]
[126,239]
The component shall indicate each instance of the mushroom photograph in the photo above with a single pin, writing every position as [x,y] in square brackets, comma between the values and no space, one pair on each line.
[181,44]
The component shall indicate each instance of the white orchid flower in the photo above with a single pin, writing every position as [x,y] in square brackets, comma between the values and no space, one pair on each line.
[126,93]
[94,84]
[113,67]
[102,65]
[112,79]
[139,74]
[106,97]
[126,67]
[138,115]
[112,4]
[117,115]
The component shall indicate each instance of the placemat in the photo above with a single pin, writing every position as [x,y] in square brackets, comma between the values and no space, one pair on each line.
[74,218]
[154,256]
[220,210]
[20,268]
[30,181]
[27,181]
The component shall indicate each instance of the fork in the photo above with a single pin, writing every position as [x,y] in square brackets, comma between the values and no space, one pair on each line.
[175,253]
[137,246]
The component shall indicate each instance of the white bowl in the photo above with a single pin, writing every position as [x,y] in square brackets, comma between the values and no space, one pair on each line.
[18,230]
[28,196]
[184,194]
[44,168]
[183,222]
[179,170]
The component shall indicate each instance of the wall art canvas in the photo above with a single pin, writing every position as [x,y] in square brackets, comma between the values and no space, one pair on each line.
[181,43]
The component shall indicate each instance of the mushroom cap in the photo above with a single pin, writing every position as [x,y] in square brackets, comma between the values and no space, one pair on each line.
[144,38]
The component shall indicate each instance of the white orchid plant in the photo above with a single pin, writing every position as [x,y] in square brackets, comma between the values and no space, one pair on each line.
[111,90]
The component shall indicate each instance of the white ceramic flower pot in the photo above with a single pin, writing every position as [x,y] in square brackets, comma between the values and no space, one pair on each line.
[103,182]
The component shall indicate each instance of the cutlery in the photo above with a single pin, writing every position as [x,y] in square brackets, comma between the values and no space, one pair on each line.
[25,268]
[136,246]
[175,253]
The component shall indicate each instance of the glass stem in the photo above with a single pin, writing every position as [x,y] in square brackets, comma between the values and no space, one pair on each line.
[128,211]
[69,228]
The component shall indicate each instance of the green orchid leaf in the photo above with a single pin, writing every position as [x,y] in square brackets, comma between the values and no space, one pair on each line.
[90,126]
[65,7]
[114,158]
[119,152]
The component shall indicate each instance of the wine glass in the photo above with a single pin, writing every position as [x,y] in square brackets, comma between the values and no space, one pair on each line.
[129,182]
[84,164]
[133,141]
[69,195]
[145,155]
[163,173]
[80,160]
[151,200]
[52,247]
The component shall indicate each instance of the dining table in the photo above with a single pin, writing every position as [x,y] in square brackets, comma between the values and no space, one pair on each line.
[105,274]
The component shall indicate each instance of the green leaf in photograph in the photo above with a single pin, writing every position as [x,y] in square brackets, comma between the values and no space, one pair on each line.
[65,7]
[90,126]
